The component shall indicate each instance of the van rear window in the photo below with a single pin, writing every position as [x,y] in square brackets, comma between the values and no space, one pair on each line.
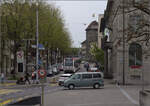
[96,75]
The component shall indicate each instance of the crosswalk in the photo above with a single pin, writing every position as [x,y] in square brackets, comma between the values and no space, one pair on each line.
[7,84]
[7,91]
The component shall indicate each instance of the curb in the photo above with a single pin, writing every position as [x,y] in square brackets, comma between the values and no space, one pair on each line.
[11,101]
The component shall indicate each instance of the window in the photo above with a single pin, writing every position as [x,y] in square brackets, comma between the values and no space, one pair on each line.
[134,22]
[76,76]
[96,75]
[135,55]
[140,2]
[68,62]
[20,67]
[86,76]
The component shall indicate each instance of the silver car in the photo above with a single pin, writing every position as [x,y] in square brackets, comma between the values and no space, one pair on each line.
[62,78]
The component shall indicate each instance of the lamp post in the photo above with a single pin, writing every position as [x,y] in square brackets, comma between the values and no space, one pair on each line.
[37,40]
[123,78]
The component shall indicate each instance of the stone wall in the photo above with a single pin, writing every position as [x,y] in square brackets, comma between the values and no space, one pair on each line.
[115,22]
[91,37]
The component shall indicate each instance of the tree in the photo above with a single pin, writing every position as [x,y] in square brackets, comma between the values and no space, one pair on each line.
[19,22]
[98,54]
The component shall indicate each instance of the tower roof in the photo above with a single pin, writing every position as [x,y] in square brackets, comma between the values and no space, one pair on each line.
[92,25]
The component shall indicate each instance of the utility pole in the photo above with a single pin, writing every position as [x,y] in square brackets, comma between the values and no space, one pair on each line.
[37,41]
[123,10]
[0,42]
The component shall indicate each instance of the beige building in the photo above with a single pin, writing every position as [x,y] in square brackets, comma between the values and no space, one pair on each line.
[91,37]
[99,30]
[83,48]
[136,43]
[134,21]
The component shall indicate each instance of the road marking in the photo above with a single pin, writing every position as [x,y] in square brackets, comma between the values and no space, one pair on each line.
[7,84]
[7,91]
[20,99]
[52,85]
[6,102]
[128,96]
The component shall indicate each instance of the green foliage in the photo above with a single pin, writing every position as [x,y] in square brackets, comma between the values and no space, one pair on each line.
[19,22]
[98,54]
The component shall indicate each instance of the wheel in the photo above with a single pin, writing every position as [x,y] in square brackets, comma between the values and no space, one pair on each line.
[71,86]
[96,86]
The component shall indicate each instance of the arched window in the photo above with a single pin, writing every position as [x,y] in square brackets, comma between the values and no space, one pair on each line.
[135,55]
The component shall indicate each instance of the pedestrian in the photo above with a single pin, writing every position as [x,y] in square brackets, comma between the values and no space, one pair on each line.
[34,77]
[2,77]
[87,67]
[27,78]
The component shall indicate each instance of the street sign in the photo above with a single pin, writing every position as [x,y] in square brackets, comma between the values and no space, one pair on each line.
[42,73]
[20,57]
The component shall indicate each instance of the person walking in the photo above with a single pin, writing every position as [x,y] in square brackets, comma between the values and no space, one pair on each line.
[34,77]
[2,77]
[87,66]
[27,78]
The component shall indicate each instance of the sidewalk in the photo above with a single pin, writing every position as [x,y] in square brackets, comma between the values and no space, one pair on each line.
[129,91]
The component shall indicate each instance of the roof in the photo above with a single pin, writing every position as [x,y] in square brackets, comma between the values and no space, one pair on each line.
[65,75]
[83,42]
[93,25]
[88,72]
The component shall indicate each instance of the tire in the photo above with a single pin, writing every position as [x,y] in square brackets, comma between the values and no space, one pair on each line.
[71,86]
[96,86]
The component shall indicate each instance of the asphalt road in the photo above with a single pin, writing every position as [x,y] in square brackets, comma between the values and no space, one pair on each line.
[28,91]
[110,95]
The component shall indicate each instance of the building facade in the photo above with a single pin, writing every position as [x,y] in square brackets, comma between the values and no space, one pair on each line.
[131,67]
[91,37]
[100,34]
[83,49]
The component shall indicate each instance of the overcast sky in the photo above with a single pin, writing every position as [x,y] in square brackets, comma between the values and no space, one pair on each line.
[78,14]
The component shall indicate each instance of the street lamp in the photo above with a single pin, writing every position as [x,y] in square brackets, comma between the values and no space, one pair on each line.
[123,36]
[37,39]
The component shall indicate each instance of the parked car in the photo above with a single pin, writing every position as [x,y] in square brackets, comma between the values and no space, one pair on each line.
[60,67]
[62,78]
[50,71]
[82,62]
[93,69]
[85,79]
[55,69]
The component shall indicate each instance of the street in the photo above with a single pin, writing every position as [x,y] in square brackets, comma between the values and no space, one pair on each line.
[45,43]
[110,95]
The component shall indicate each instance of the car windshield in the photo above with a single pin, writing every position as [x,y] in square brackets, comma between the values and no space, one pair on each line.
[69,62]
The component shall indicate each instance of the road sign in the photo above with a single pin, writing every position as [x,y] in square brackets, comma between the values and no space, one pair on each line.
[20,57]
[42,73]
